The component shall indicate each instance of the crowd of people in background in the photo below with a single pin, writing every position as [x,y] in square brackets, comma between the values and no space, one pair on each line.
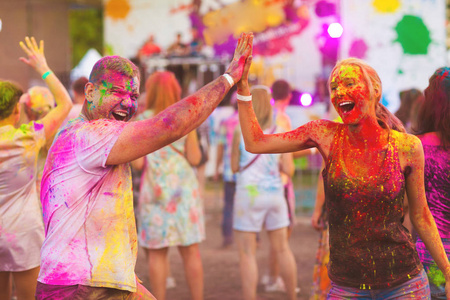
[71,222]
[178,48]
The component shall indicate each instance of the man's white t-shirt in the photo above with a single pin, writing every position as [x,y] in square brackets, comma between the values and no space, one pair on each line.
[88,210]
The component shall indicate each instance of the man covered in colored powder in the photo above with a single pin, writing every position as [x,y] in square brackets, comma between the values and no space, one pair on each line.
[90,247]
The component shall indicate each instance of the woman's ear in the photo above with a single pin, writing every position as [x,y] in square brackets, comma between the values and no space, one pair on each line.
[377,91]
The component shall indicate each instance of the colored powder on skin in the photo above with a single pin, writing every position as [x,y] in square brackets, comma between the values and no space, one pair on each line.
[413,35]
[426,216]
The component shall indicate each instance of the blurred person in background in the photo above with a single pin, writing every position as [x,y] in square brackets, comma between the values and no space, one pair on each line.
[77,98]
[170,211]
[37,102]
[433,129]
[260,202]
[22,229]
[410,101]
[225,141]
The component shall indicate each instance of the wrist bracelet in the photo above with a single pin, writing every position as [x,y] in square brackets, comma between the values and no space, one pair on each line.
[229,79]
[244,98]
[45,75]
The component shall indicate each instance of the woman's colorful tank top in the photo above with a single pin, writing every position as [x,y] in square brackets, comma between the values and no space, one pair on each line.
[369,246]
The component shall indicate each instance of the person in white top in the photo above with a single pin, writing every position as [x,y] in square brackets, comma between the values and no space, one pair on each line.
[21,227]
[77,98]
[90,247]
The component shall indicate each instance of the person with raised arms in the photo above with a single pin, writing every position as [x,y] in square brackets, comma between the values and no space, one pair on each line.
[371,163]
[90,247]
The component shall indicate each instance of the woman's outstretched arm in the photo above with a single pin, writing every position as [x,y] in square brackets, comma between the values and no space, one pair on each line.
[36,59]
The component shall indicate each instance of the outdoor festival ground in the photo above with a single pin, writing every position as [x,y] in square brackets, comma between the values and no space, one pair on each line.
[221,266]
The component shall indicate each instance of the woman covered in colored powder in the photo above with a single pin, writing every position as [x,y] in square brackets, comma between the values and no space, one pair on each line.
[369,168]
[433,126]
[170,211]
[21,226]
[260,200]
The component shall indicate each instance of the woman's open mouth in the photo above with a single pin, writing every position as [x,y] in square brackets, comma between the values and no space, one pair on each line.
[346,106]
[120,115]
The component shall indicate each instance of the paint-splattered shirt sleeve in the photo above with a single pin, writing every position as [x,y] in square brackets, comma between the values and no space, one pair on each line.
[96,140]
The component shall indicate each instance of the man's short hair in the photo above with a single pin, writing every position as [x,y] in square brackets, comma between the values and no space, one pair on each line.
[79,84]
[280,90]
[115,64]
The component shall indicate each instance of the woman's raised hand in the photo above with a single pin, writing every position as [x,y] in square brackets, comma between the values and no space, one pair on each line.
[240,60]
[36,58]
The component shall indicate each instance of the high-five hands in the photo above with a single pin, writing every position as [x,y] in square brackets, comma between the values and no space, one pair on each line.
[242,57]
[36,58]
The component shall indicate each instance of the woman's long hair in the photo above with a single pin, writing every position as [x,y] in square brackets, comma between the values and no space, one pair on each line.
[162,90]
[434,113]
[261,106]
[384,117]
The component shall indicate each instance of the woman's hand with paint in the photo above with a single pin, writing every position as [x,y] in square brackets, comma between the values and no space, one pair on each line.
[242,57]
[36,58]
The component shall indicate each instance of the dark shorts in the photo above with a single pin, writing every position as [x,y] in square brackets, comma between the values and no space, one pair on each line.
[83,292]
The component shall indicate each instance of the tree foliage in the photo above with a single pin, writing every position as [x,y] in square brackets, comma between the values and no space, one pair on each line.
[86,32]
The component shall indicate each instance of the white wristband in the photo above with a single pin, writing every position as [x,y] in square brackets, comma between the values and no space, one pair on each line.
[313,151]
[229,79]
[244,98]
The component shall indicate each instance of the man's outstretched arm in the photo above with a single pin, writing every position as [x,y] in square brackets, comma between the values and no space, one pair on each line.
[140,138]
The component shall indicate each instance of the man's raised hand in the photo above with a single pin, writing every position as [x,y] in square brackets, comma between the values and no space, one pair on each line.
[242,52]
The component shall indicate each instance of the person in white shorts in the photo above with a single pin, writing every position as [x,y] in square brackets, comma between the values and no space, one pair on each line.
[260,202]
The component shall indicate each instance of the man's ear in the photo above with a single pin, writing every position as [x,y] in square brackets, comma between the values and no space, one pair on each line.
[89,91]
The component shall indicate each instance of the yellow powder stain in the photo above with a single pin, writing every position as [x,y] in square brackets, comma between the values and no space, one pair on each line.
[386,6]
[117,9]
[245,16]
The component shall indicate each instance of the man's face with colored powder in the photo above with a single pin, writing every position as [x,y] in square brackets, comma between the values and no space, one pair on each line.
[349,94]
[114,98]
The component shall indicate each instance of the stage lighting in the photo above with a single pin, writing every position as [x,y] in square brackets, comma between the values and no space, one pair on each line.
[335,30]
[306,99]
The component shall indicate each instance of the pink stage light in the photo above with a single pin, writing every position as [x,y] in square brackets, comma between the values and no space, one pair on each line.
[306,99]
[335,30]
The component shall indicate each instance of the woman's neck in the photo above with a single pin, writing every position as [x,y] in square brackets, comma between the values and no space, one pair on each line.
[367,134]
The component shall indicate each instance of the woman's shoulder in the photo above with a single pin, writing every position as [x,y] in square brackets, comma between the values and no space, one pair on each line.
[407,144]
